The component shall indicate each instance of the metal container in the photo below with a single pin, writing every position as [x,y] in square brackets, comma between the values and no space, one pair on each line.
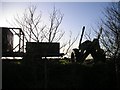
[7,40]
[42,48]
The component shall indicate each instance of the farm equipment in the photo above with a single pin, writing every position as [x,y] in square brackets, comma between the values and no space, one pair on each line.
[33,49]
[8,49]
[86,48]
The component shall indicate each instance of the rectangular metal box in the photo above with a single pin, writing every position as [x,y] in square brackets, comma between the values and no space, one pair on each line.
[42,48]
[7,40]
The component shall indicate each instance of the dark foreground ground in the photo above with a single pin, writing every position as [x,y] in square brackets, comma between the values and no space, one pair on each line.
[50,74]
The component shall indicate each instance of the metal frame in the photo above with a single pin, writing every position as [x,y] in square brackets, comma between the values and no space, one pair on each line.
[21,39]
[20,46]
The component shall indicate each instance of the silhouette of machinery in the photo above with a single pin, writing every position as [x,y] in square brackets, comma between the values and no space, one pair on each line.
[8,40]
[33,49]
[86,48]
[46,49]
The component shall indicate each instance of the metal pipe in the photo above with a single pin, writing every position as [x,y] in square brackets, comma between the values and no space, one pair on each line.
[83,29]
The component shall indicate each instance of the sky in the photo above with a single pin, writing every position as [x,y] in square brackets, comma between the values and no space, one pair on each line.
[76,14]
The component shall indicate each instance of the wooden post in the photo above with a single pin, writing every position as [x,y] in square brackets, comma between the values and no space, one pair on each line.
[19,39]
[45,73]
[23,42]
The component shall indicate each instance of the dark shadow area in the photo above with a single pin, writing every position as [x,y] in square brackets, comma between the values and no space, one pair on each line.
[52,74]
[36,71]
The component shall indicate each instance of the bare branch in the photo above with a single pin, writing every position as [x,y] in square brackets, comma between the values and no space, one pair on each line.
[71,42]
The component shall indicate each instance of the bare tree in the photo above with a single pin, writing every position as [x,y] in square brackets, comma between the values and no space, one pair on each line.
[88,35]
[34,30]
[68,45]
[110,38]
[111,30]
[52,32]
[31,24]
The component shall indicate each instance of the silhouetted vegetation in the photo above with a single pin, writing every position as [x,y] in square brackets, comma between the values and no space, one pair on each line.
[57,75]
[110,38]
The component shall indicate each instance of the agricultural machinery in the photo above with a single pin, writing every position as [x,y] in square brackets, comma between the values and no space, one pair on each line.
[26,49]
[46,49]
[88,47]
